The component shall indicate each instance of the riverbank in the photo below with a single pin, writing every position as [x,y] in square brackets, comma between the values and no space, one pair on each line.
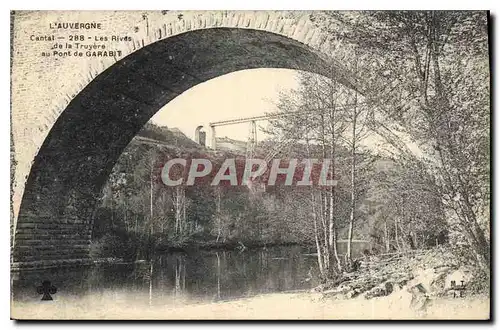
[305,306]
[132,248]
[225,246]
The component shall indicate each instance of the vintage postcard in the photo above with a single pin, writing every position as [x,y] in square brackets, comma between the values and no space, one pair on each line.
[250,165]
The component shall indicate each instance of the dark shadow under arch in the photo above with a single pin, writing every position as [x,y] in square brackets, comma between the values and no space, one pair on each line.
[54,222]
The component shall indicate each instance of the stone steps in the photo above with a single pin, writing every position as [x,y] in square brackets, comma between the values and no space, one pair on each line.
[23,236]
[51,226]
[30,256]
[46,264]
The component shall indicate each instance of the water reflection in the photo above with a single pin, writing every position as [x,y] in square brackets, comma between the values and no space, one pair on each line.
[181,277]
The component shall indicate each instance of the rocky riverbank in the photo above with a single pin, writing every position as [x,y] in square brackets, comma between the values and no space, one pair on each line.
[424,275]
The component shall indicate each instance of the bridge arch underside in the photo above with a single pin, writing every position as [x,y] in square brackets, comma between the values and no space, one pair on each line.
[55,219]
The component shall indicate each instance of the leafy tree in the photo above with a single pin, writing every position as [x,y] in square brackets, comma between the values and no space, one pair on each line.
[430,75]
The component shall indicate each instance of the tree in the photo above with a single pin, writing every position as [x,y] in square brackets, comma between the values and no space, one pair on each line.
[434,71]
[323,111]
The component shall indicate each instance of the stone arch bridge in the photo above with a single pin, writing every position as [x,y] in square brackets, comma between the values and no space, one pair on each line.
[72,116]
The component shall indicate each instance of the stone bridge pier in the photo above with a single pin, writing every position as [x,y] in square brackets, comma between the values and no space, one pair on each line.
[72,117]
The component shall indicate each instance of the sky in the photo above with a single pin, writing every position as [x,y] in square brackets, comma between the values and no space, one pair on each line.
[239,94]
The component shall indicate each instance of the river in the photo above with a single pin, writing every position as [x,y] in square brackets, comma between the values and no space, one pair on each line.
[196,276]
